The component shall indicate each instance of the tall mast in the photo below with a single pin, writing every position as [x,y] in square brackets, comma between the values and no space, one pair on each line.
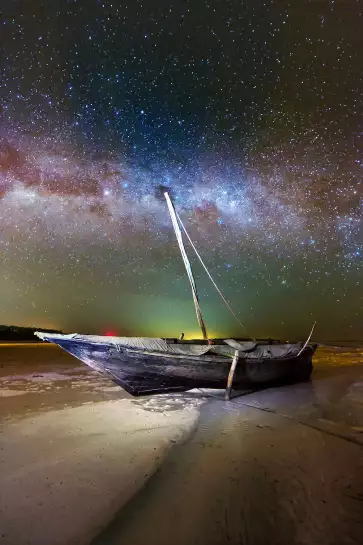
[187,266]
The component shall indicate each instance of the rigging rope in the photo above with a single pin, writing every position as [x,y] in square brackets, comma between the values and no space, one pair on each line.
[210,277]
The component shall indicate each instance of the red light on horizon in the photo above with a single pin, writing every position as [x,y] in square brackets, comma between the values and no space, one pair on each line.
[110,334]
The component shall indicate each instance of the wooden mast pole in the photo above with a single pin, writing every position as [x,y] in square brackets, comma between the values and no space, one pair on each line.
[187,266]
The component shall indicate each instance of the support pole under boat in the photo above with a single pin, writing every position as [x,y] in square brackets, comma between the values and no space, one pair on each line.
[227,395]
[187,266]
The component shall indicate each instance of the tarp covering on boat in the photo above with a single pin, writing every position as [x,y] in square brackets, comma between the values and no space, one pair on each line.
[147,344]
[247,350]
[255,350]
[267,351]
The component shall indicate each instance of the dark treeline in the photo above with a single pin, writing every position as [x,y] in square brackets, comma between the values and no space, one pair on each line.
[16,333]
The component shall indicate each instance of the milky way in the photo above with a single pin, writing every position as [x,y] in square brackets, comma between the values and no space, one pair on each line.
[250,118]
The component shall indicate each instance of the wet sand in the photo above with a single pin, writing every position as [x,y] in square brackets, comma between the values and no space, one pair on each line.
[83,462]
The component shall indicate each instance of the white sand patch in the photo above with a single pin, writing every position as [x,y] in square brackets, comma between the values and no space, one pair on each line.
[109,388]
[68,472]
[5,392]
[49,376]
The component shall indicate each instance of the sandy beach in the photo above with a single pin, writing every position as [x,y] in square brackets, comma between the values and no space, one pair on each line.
[82,462]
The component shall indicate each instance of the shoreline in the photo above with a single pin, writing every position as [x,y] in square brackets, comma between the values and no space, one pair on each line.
[24,343]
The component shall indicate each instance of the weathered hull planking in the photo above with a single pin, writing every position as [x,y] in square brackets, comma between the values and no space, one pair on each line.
[142,373]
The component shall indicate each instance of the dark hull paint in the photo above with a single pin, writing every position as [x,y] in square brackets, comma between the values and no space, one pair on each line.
[141,373]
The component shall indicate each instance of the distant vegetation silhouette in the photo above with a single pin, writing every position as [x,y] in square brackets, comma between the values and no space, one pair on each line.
[16,333]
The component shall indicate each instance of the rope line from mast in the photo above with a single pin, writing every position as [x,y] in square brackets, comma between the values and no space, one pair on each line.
[210,277]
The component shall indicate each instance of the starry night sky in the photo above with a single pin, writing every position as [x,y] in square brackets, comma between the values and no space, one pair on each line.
[248,112]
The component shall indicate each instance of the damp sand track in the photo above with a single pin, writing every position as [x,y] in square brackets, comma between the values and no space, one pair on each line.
[83,463]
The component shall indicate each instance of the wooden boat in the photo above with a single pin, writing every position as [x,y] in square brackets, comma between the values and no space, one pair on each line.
[154,365]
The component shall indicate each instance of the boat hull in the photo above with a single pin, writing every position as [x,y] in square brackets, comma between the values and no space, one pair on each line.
[143,373]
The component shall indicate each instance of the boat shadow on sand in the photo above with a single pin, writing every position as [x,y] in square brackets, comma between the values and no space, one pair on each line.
[226,462]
